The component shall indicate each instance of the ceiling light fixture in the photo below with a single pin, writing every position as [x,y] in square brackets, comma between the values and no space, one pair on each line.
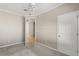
[30,9]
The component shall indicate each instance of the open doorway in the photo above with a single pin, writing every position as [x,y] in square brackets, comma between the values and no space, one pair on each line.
[32,29]
[30,32]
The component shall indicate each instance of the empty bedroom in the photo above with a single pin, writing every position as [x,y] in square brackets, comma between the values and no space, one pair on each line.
[39,29]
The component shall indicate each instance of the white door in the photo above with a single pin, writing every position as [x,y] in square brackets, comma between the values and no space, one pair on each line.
[67,33]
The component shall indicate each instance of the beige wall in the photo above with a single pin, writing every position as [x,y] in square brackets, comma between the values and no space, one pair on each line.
[46,24]
[11,28]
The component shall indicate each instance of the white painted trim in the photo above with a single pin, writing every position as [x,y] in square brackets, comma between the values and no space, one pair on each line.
[35,28]
[10,44]
[49,47]
[11,12]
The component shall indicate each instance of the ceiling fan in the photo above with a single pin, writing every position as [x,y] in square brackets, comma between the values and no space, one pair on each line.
[30,8]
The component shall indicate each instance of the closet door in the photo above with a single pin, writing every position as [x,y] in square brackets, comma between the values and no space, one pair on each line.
[67,33]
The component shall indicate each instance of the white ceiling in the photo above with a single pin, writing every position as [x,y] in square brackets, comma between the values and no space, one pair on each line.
[18,8]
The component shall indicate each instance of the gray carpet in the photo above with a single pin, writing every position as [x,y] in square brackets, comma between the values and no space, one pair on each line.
[16,50]
[21,50]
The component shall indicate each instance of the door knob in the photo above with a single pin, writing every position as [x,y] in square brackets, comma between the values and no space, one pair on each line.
[58,35]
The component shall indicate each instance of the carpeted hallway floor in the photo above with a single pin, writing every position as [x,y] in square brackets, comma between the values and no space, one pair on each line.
[21,50]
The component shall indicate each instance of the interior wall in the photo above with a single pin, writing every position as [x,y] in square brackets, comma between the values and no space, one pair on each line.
[46,24]
[11,28]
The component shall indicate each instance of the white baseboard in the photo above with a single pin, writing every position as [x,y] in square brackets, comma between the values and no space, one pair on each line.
[49,47]
[10,44]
